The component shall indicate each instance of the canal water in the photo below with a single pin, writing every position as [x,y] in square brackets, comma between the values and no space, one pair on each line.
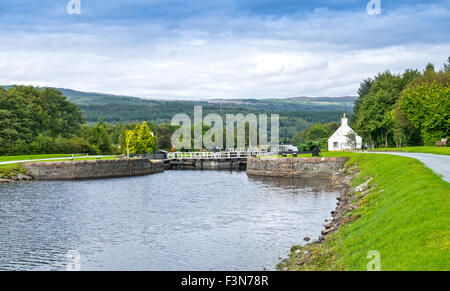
[177,220]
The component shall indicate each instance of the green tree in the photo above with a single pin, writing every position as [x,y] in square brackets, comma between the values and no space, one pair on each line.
[447,65]
[164,135]
[27,112]
[146,142]
[103,139]
[315,135]
[429,69]
[317,132]
[131,142]
[427,106]
[98,136]
[140,140]
[373,119]
[363,91]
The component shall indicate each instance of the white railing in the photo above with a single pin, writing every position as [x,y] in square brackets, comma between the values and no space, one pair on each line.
[215,156]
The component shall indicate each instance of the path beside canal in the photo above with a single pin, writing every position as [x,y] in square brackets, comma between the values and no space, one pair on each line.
[440,164]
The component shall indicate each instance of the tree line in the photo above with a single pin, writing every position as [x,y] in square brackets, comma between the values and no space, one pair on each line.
[43,121]
[409,109]
[394,110]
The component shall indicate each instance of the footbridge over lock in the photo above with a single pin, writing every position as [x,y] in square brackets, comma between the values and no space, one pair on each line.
[230,159]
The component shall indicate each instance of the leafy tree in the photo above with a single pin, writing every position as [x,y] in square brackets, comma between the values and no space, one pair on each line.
[373,119]
[331,127]
[429,69]
[447,65]
[427,107]
[363,91]
[315,135]
[140,140]
[27,112]
[146,143]
[164,134]
[131,142]
[98,136]
[317,132]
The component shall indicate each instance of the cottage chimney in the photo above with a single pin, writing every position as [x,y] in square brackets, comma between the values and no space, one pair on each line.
[345,120]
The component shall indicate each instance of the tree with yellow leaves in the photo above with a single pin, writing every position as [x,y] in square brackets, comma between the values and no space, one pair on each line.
[140,140]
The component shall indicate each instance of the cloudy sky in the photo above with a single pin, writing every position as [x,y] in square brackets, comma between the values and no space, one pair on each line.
[196,49]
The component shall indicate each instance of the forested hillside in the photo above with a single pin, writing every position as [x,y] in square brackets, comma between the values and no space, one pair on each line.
[296,113]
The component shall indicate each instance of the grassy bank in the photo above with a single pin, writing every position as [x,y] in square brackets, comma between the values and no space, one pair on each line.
[429,150]
[15,169]
[32,157]
[7,171]
[404,218]
[79,159]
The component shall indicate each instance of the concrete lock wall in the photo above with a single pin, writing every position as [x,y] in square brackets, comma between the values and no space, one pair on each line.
[295,167]
[74,170]
[231,164]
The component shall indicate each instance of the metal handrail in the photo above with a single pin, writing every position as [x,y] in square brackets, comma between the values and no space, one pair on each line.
[215,155]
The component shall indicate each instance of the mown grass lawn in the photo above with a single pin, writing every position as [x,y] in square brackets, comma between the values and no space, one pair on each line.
[405,218]
[80,159]
[430,150]
[32,157]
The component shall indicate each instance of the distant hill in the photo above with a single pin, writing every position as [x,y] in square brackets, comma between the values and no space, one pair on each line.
[87,98]
[296,113]
[294,103]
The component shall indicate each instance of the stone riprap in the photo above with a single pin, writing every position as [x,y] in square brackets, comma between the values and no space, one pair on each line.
[295,167]
[93,169]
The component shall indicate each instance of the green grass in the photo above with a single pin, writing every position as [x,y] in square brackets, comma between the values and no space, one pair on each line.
[11,170]
[32,157]
[288,156]
[405,218]
[79,159]
[431,150]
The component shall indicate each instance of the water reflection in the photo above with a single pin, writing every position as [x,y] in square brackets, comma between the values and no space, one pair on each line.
[291,182]
[178,220]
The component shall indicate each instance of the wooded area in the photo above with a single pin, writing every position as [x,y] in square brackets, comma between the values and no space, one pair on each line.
[396,110]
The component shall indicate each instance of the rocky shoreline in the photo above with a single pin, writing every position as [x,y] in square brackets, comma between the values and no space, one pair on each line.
[16,178]
[348,200]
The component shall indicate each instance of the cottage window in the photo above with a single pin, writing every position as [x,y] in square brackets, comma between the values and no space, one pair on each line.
[336,144]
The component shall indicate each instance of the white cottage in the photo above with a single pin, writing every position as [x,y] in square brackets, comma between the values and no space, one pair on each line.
[344,138]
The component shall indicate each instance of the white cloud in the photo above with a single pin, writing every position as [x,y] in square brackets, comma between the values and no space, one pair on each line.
[323,54]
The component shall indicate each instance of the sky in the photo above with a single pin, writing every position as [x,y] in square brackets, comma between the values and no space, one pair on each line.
[196,49]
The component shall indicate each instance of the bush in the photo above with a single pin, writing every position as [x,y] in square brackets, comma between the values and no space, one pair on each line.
[48,145]
[309,146]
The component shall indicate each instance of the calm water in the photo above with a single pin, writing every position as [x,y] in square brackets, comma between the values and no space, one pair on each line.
[177,220]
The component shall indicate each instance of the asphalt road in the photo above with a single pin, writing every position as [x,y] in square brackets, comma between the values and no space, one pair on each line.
[440,164]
